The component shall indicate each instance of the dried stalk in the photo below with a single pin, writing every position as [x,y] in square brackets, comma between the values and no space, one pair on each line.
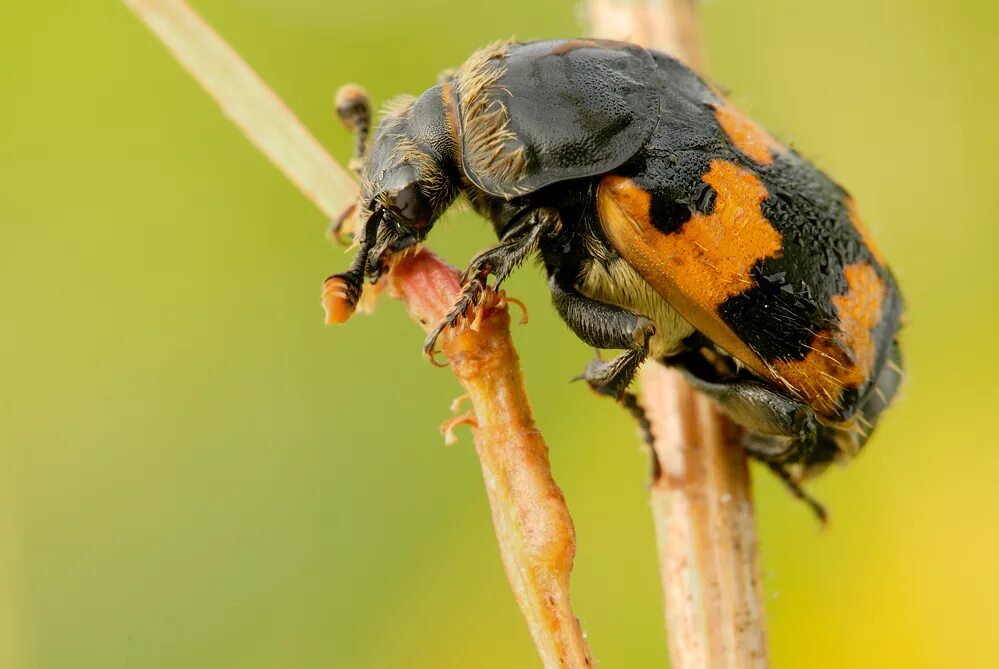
[672,26]
[533,527]
[701,497]
[535,532]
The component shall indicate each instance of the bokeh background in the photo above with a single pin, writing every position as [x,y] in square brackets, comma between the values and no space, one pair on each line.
[194,472]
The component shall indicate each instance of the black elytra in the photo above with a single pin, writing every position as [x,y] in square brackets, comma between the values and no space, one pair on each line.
[670,226]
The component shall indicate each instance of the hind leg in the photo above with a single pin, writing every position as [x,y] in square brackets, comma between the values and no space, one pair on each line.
[782,431]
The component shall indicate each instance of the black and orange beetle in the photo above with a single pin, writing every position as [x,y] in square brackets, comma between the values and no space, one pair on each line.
[670,226]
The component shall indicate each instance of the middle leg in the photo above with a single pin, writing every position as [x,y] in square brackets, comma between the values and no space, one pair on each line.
[603,325]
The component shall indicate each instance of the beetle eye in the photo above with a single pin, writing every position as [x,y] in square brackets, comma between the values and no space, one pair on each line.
[410,204]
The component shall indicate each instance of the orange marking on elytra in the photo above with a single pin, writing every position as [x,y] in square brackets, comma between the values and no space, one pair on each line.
[821,375]
[710,256]
[706,261]
[843,358]
[752,140]
[860,312]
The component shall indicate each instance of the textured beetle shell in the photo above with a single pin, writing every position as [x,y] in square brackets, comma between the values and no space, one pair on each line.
[756,247]
[538,113]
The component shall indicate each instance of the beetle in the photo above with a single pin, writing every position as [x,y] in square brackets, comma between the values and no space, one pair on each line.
[670,226]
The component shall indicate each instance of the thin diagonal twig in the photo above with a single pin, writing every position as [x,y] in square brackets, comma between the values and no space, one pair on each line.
[533,527]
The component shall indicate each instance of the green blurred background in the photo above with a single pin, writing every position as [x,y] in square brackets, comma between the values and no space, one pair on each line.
[194,472]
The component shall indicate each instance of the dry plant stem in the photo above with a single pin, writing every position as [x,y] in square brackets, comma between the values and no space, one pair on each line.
[536,537]
[533,527]
[702,505]
[701,497]
[672,26]
[249,103]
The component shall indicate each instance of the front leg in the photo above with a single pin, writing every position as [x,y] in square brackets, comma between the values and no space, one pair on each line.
[520,241]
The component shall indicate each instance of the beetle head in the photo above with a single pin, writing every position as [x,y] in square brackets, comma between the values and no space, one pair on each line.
[406,179]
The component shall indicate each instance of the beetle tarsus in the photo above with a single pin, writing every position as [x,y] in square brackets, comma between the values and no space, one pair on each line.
[468,300]
[498,262]
[629,401]
[613,377]
[795,489]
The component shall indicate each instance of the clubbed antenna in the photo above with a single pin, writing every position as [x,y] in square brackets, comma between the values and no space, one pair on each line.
[354,109]
[341,292]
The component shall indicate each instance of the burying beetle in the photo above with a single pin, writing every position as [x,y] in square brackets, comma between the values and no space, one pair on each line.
[670,226]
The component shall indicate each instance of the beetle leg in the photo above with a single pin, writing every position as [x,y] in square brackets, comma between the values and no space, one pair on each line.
[613,376]
[795,489]
[629,401]
[520,241]
[499,262]
[786,427]
[603,325]
[782,430]
[606,326]
[468,300]
[341,292]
